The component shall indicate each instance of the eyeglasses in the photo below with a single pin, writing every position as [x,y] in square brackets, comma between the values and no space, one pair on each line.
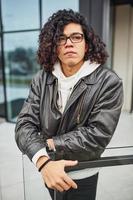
[74,38]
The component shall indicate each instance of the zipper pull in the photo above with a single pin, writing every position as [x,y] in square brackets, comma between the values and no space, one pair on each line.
[78,118]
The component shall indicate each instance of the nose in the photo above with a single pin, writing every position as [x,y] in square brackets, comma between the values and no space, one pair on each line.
[68,42]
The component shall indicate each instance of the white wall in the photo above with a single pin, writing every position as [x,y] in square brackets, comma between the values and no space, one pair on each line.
[123,50]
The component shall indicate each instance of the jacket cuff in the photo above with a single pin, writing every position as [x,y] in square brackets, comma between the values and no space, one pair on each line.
[59,144]
[33,149]
[41,152]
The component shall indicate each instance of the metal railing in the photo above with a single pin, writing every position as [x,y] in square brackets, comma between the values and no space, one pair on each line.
[105,161]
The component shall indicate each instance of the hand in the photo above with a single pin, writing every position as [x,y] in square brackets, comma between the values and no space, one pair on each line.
[51,145]
[56,178]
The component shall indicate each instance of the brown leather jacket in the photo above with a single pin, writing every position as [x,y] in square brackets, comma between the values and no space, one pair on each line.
[87,124]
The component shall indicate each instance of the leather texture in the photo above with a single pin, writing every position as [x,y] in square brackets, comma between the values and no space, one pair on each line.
[87,124]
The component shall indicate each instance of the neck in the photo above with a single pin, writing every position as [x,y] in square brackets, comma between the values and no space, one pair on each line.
[69,70]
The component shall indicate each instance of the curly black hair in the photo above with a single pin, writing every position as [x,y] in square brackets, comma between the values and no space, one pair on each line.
[53,28]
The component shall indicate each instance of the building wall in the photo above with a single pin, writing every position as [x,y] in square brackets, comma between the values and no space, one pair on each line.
[123,50]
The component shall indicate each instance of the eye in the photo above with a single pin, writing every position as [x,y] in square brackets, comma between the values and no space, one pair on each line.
[76,37]
[61,38]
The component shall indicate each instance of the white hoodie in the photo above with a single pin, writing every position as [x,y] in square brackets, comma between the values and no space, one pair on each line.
[66,84]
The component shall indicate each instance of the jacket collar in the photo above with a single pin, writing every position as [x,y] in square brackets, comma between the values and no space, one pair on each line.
[50,79]
[90,79]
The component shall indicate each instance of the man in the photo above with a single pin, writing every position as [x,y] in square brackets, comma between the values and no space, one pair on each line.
[73,106]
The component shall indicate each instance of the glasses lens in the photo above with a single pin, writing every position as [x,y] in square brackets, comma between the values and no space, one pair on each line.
[61,40]
[76,37]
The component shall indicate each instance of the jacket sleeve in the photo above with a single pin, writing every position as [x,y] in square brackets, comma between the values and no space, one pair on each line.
[27,130]
[89,141]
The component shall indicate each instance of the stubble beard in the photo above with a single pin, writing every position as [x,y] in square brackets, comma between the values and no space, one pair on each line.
[71,64]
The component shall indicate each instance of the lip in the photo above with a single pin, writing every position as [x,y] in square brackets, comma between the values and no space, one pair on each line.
[69,52]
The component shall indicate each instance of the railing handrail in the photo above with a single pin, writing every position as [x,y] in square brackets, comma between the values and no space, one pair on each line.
[103,162]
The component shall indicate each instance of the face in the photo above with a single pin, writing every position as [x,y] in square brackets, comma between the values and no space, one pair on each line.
[71,54]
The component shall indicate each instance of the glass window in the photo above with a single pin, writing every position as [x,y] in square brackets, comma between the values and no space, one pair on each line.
[49,7]
[20,65]
[2,99]
[20,14]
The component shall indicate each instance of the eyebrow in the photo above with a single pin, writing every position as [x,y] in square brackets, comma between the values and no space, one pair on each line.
[71,33]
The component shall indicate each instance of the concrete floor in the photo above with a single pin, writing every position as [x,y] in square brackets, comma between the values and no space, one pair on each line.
[19,178]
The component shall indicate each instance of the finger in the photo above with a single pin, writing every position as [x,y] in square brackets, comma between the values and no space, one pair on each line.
[54,186]
[64,185]
[51,144]
[58,187]
[59,184]
[70,182]
[70,162]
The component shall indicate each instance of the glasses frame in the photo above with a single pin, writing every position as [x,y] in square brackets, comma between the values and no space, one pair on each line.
[70,38]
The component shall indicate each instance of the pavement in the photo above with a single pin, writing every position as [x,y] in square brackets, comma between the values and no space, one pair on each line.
[19,178]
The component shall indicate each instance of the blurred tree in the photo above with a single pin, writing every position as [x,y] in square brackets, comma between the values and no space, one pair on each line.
[24,58]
